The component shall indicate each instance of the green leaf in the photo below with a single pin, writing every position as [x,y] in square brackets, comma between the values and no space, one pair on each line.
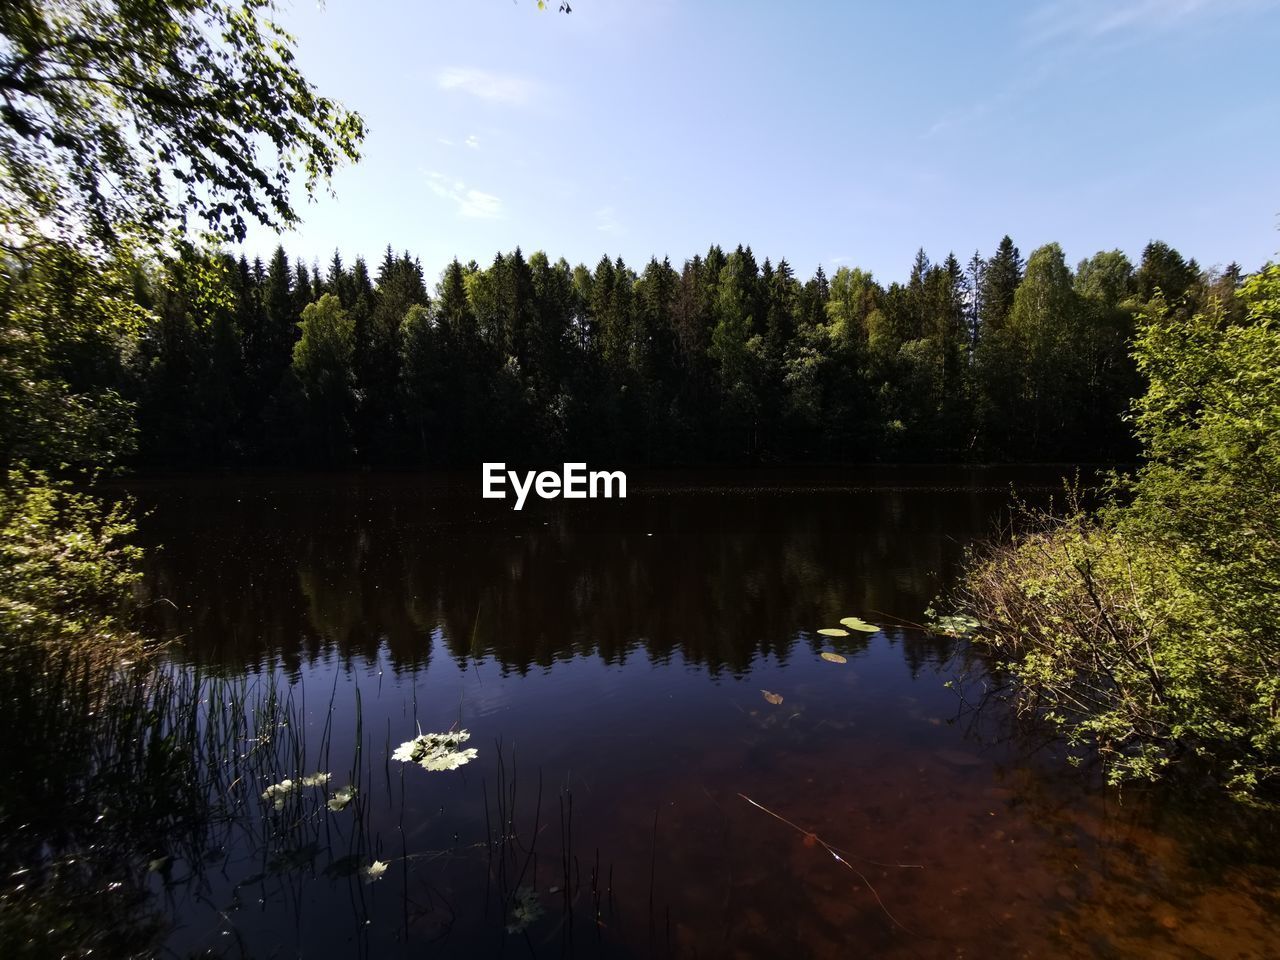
[857,623]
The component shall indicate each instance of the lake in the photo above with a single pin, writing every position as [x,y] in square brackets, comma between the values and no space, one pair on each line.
[666,765]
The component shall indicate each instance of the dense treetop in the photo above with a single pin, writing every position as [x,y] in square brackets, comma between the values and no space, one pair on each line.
[722,358]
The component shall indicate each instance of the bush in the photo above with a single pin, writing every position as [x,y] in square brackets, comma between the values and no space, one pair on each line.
[1152,630]
[1107,640]
[67,572]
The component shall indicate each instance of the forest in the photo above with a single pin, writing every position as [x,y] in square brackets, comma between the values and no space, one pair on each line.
[226,361]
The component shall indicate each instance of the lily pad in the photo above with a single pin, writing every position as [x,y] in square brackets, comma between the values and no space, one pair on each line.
[278,793]
[436,751]
[341,798]
[833,632]
[344,866]
[525,911]
[830,657]
[857,623]
[774,698]
[955,625]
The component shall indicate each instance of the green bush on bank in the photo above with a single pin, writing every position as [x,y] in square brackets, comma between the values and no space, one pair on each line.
[67,569]
[1151,631]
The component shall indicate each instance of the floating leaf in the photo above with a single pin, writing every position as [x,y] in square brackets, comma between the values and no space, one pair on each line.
[341,798]
[857,623]
[278,793]
[833,632]
[774,698]
[436,751]
[833,657]
[294,858]
[956,625]
[344,866]
[527,909]
[374,871]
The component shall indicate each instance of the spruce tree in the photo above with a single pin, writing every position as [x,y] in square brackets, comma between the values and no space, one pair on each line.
[999,285]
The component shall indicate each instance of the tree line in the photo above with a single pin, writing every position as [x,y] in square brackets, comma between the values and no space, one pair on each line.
[228,361]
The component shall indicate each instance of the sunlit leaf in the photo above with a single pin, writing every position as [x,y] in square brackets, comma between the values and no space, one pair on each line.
[374,871]
[341,798]
[833,657]
[278,793]
[436,751]
[955,625]
[857,623]
[833,632]
[774,698]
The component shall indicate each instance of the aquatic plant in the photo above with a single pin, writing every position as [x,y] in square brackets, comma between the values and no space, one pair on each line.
[436,751]
[857,623]
[341,798]
[374,871]
[950,625]
[527,910]
[278,793]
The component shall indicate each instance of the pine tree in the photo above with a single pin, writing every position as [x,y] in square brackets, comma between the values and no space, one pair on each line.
[1162,269]
[999,285]
[975,276]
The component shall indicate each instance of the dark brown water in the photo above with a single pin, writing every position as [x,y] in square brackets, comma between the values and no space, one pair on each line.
[610,660]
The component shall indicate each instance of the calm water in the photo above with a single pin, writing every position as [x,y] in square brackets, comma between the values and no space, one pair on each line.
[610,660]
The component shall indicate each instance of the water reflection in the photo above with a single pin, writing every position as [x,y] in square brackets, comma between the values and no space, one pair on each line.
[610,662]
[291,569]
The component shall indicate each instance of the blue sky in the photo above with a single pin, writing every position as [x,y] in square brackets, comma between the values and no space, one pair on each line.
[832,133]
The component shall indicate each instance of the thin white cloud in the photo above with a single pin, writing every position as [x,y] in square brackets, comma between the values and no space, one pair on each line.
[1084,20]
[1057,33]
[471,204]
[607,221]
[473,142]
[445,141]
[486,85]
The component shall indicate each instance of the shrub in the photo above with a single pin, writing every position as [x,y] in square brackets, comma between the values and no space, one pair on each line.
[67,570]
[1152,630]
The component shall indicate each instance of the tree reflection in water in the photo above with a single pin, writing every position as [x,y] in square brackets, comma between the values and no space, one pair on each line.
[608,661]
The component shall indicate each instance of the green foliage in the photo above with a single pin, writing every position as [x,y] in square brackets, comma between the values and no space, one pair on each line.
[1153,632]
[192,355]
[322,366]
[723,359]
[67,568]
[127,116]
[66,323]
